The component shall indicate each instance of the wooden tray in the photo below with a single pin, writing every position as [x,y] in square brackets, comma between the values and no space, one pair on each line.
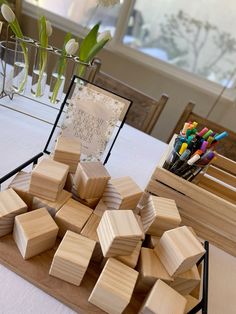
[36,269]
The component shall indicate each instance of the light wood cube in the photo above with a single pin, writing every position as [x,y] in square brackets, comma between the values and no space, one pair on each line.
[20,184]
[163,300]
[113,290]
[72,216]
[90,202]
[122,193]
[48,179]
[69,182]
[51,206]
[90,180]
[72,258]
[139,220]
[67,151]
[191,303]
[159,214]
[34,232]
[179,250]
[150,269]
[185,282]
[11,205]
[132,259]
[90,231]
[100,208]
[118,232]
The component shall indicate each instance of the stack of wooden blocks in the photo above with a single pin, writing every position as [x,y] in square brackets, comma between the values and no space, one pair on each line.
[136,241]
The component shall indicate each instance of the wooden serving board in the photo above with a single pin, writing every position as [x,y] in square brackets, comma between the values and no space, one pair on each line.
[36,271]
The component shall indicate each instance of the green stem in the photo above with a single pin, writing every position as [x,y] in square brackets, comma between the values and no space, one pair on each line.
[56,89]
[42,66]
[23,83]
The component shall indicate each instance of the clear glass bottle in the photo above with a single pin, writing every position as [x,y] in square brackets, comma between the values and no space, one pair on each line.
[58,78]
[21,64]
[39,75]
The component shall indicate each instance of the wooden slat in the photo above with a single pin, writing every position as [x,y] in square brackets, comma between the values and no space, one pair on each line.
[153,117]
[225,163]
[217,220]
[196,193]
[144,111]
[227,192]
[222,175]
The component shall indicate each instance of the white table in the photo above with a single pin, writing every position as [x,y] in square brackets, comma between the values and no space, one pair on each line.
[135,154]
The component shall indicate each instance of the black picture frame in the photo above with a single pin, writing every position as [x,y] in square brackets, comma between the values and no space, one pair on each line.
[65,102]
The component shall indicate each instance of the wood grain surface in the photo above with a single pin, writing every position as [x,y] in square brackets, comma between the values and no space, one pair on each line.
[36,271]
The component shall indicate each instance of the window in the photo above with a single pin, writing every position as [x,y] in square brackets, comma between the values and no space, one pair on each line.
[83,12]
[198,37]
[195,38]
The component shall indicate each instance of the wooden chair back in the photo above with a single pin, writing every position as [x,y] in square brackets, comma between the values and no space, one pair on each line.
[144,111]
[226,147]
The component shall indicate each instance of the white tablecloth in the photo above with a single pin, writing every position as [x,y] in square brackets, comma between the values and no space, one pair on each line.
[135,154]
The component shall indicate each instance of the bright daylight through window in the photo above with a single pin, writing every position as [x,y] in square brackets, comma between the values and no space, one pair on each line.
[197,38]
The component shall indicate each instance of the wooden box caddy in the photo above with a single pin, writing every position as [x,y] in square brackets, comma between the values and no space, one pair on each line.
[208,203]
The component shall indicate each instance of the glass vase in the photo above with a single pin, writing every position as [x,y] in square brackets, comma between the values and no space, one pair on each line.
[14,66]
[57,81]
[84,70]
[39,75]
[21,65]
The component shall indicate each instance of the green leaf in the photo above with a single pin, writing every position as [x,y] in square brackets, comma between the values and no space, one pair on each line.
[95,49]
[88,43]
[43,37]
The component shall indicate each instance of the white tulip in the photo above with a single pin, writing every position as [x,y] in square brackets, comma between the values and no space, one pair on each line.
[107,3]
[104,36]
[7,13]
[48,28]
[71,47]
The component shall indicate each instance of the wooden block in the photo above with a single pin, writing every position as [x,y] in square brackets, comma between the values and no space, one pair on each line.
[122,193]
[113,290]
[48,179]
[90,231]
[196,291]
[67,151]
[132,259]
[139,220]
[100,208]
[11,205]
[34,232]
[72,258]
[69,182]
[51,206]
[72,216]
[150,269]
[159,214]
[142,202]
[185,283]
[91,202]
[118,232]
[90,180]
[191,303]
[179,250]
[20,184]
[163,300]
